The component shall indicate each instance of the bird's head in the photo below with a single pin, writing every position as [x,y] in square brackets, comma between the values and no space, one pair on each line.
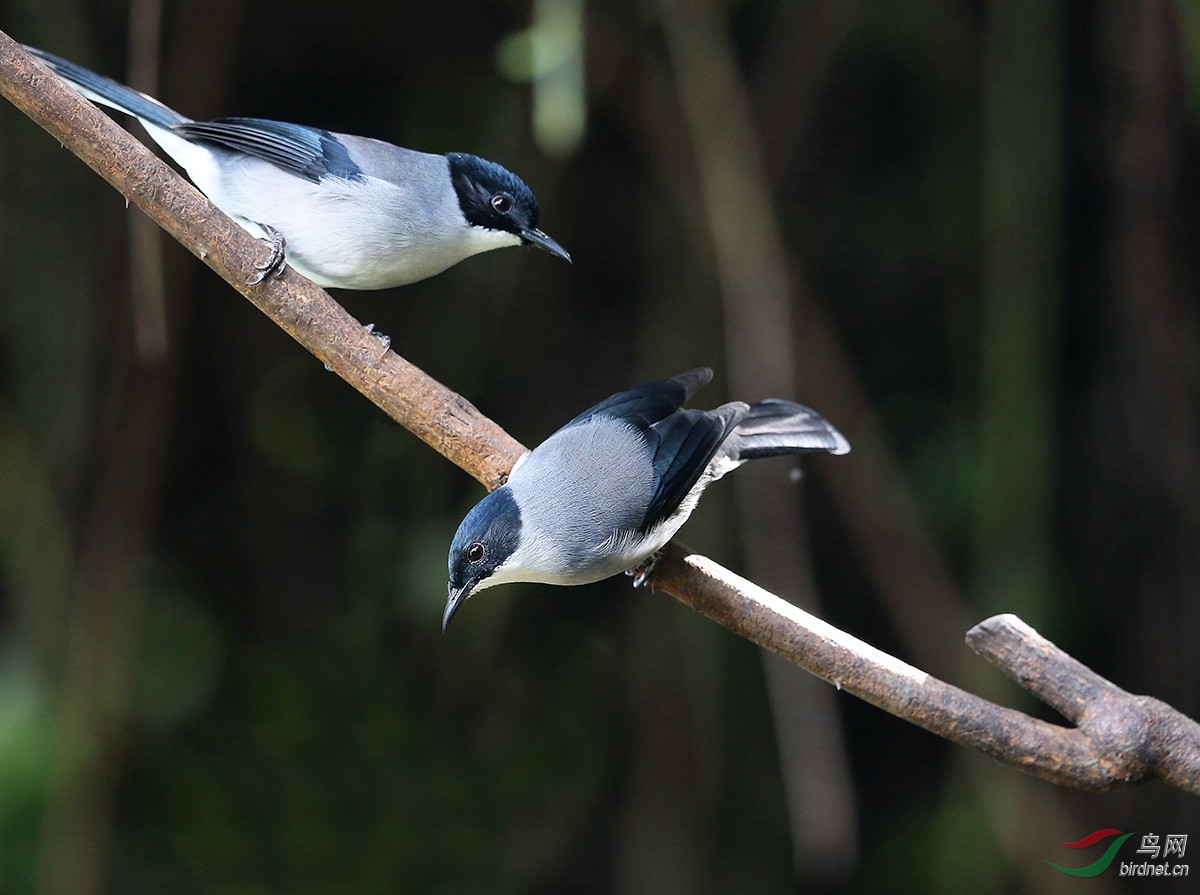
[483,545]
[496,199]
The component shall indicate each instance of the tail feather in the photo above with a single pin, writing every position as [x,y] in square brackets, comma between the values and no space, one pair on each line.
[774,427]
[110,93]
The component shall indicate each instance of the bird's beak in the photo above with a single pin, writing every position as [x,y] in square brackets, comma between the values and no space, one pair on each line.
[457,598]
[536,237]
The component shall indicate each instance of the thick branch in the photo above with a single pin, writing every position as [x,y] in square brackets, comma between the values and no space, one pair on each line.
[1119,738]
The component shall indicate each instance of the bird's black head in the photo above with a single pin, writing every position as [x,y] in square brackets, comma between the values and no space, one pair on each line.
[484,542]
[493,197]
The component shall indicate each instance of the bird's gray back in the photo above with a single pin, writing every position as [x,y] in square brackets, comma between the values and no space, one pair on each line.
[588,486]
[395,164]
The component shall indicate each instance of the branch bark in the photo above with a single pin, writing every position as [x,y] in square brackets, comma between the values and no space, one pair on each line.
[1117,739]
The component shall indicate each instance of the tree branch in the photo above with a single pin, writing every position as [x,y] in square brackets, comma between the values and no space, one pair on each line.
[1118,738]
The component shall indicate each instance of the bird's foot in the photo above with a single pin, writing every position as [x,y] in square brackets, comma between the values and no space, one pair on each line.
[275,262]
[383,338]
[642,571]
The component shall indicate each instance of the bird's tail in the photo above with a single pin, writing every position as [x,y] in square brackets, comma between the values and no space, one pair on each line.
[108,92]
[775,427]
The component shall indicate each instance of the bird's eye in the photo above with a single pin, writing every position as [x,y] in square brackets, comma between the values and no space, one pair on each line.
[475,552]
[502,202]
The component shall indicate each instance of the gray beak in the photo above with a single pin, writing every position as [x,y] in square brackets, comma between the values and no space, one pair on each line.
[544,242]
[456,599]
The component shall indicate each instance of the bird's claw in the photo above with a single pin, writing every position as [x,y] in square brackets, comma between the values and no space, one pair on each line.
[383,338]
[275,262]
[642,571]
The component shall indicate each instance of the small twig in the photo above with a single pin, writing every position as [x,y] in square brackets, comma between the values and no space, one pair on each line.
[1118,738]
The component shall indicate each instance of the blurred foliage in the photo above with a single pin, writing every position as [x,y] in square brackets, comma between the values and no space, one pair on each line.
[222,571]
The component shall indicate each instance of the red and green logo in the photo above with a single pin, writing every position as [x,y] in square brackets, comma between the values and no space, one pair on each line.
[1100,864]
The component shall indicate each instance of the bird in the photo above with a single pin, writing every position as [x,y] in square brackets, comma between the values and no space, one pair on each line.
[609,489]
[347,212]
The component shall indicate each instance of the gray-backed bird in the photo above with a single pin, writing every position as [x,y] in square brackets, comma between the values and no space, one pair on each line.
[608,490]
[350,212]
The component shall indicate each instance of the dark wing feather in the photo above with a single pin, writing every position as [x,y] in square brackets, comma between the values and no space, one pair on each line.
[307,152]
[647,404]
[684,443]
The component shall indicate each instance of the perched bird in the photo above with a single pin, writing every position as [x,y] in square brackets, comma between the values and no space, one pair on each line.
[608,490]
[351,212]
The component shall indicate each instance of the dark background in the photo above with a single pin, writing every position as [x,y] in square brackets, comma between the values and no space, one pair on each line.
[965,232]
